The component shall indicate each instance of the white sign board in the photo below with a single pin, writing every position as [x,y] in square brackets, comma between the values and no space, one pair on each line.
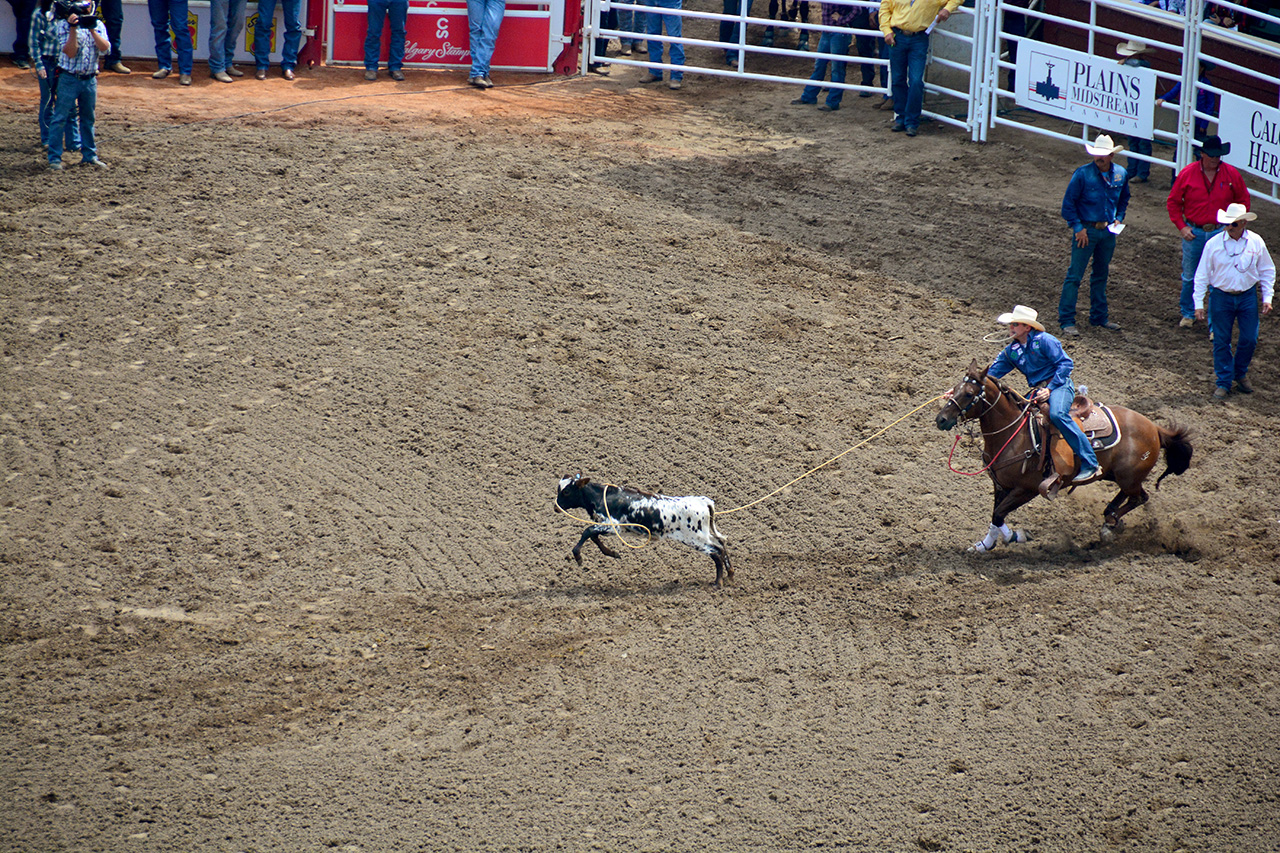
[1254,133]
[1092,90]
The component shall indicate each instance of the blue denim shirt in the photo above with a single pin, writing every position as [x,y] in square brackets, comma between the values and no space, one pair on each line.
[1042,360]
[1093,196]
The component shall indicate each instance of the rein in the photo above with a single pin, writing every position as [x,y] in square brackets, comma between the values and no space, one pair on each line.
[1016,424]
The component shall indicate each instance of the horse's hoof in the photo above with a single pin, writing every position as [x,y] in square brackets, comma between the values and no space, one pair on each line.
[1020,536]
[1108,534]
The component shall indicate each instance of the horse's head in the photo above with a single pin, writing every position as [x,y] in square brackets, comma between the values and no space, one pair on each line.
[969,392]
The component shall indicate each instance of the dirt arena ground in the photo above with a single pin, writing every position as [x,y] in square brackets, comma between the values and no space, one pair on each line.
[287,391]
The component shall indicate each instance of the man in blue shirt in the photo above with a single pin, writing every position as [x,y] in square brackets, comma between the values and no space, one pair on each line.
[1047,367]
[1096,198]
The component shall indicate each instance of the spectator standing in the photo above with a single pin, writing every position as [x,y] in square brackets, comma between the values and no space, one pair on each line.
[22,12]
[782,10]
[397,12]
[657,20]
[869,47]
[608,21]
[42,42]
[77,87]
[226,20]
[484,19]
[292,12]
[1097,197]
[1199,192]
[906,25]
[112,12]
[1131,55]
[166,15]
[731,30]
[1206,101]
[831,42]
[1234,265]
[631,21]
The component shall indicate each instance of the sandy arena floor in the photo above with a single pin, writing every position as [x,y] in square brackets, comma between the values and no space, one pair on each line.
[286,393]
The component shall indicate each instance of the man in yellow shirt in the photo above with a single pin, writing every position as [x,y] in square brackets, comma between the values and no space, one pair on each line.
[906,25]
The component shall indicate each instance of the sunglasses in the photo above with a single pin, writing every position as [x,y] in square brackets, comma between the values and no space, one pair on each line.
[1239,224]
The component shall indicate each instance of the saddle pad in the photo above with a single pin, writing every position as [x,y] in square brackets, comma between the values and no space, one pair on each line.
[1101,428]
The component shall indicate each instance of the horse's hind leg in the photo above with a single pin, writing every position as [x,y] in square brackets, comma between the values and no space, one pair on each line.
[1122,504]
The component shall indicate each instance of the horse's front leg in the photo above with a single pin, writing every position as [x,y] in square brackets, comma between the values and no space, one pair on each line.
[1006,501]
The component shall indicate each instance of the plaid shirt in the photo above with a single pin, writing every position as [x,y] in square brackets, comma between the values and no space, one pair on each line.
[86,59]
[838,15]
[43,40]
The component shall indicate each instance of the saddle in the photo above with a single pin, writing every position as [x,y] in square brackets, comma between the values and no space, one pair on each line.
[1058,462]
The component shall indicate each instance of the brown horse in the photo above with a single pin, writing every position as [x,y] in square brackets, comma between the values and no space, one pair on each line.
[1015,466]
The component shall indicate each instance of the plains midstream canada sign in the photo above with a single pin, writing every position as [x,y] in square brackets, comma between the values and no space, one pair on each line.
[1254,133]
[1093,90]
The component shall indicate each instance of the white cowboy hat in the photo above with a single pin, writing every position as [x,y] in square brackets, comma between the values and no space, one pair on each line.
[1132,48]
[1234,213]
[1102,146]
[1021,314]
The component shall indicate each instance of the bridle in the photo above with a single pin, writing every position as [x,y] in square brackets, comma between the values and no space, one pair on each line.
[980,397]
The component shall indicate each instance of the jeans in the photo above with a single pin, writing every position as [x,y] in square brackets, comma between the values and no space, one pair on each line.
[22,12]
[166,14]
[1226,310]
[1102,244]
[1060,414]
[398,13]
[112,12]
[1139,169]
[71,136]
[1191,251]
[292,10]
[484,17]
[837,43]
[226,20]
[907,59]
[673,23]
[870,46]
[731,30]
[74,91]
[631,22]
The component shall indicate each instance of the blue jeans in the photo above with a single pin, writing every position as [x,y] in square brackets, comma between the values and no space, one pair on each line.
[1060,414]
[292,10]
[398,13]
[730,30]
[167,14]
[112,12]
[74,92]
[907,59]
[71,136]
[226,20]
[1139,169]
[631,22]
[484,17]
[1191,251]
[837,43]
[1226,310]
[869,46]
[1102,245]
[674,25]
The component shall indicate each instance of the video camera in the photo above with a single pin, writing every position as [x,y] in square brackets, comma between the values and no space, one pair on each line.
[82,9]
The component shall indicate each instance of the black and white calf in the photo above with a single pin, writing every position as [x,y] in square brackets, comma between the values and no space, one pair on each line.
[689,520]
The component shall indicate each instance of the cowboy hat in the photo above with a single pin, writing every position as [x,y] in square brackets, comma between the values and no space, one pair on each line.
[1102,146]
[1215,147]
[1021,314]
[1234,213]
[1132,48]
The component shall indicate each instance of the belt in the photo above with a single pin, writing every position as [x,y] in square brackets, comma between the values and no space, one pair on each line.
[1212,226]
[82,76]
[900,31]
[1098,225]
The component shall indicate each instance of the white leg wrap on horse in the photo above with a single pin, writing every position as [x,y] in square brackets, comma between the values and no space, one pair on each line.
[989,541]
[1005,533]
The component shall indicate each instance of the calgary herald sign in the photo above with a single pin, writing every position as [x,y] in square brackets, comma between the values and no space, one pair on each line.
[1093,90]
[1254,133]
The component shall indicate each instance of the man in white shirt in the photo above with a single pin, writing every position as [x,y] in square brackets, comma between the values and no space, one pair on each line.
[1235,262]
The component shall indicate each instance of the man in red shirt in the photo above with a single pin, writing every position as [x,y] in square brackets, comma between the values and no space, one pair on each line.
[1199,192]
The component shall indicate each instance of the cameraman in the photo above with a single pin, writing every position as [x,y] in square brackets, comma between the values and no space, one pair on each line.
[82,38]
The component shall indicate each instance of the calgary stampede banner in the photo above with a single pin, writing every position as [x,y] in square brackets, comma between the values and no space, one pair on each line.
[1092,90]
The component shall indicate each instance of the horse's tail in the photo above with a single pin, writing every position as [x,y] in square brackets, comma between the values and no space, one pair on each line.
[1176,442]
